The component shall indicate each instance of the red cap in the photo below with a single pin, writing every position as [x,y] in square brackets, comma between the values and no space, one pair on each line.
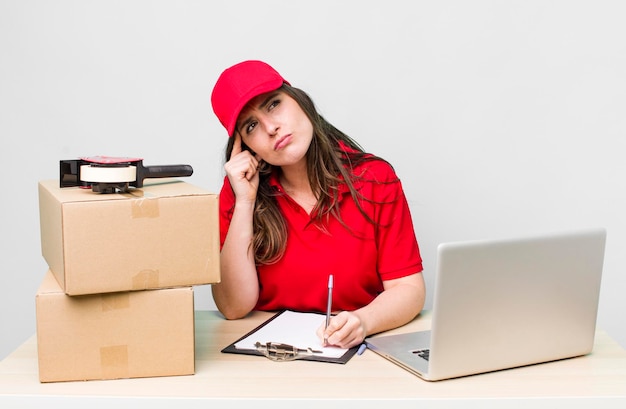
[237,85]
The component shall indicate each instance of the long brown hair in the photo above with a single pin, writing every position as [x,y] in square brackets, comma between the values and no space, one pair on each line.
[328,166]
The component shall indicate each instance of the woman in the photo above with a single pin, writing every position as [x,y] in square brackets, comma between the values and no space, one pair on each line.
[300,201]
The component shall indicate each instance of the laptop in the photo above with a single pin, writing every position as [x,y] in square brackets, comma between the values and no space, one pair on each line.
[501,304]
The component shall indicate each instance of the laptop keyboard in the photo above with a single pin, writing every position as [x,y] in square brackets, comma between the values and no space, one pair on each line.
[422,353]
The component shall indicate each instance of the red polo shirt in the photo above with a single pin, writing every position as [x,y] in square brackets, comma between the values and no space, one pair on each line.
[359,258]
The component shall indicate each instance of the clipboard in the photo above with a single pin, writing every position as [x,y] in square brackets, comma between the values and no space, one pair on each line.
[280,326]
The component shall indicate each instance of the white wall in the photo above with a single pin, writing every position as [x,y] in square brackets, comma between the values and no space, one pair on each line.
[501,117]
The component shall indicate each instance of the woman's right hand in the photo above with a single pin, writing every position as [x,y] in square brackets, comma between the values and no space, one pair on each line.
[238,291]
[243,172]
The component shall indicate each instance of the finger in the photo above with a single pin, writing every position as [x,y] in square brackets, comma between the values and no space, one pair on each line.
[333,326]
[251,173]
[236,145]
[323,332]
[255,167]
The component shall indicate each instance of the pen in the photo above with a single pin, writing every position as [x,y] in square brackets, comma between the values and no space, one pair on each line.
[329,305]
[362,348]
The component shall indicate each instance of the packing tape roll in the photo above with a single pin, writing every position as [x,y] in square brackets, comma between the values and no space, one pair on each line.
[108,174]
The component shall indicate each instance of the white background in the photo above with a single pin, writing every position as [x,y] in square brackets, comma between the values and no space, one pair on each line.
[502,118]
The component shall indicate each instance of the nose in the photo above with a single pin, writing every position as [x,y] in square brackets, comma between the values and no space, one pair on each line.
[270,125]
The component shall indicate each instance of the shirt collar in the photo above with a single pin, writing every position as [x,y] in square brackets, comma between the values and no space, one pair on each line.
[343,187]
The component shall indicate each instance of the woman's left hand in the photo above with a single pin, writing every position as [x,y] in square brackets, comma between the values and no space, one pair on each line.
[345,330]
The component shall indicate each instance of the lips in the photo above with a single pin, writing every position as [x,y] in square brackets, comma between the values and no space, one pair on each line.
[282,142]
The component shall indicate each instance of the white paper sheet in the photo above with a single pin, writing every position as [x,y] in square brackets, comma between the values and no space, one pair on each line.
[293,328]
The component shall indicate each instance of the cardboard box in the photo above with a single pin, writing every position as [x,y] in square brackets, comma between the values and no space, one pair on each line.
[114,335]
[163,235]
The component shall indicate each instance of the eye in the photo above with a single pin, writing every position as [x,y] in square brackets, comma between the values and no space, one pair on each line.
[273,104]
[250,127]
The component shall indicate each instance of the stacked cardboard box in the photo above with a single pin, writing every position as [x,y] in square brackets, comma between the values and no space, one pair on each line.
[117,300]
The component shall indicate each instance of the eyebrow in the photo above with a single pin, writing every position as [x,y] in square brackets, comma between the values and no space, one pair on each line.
[260,105]
[267,100]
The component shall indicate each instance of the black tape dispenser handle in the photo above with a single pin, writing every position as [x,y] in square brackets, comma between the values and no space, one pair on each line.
[160,171]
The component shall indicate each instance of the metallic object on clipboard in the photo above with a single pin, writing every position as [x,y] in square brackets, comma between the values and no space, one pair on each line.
[278,352]
[106,174]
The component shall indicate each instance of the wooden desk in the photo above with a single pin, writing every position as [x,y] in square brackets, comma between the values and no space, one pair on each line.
[370,381]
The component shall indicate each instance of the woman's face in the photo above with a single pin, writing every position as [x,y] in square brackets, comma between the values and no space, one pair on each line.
[275,127]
